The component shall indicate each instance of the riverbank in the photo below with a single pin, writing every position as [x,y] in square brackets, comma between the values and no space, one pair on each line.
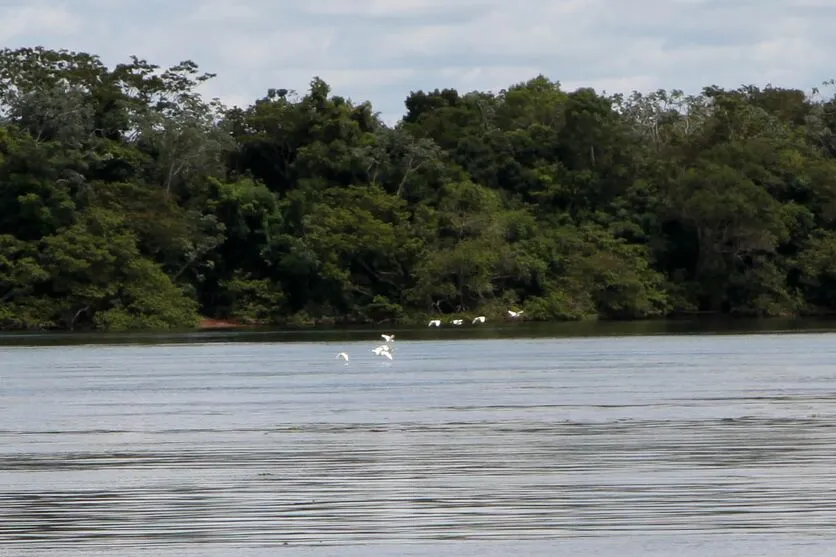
[420,321]
[230,331]
[207,323]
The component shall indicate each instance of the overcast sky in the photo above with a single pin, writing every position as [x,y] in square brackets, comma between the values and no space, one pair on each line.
[380,50]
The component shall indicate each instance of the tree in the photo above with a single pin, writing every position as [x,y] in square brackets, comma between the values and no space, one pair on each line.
[128,201]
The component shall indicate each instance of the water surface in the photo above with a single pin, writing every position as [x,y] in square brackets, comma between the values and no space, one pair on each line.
[617,445]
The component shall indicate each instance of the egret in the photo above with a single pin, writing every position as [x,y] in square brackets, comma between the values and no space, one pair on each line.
[434,323]
[480,319]
[457,321]
[515,314]
[381,349]
[386,353]
[343,355]
[388,338]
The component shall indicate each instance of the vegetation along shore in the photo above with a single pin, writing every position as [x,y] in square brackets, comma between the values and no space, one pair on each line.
[128,201]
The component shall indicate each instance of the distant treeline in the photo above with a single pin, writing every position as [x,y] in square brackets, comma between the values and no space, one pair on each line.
[127,201]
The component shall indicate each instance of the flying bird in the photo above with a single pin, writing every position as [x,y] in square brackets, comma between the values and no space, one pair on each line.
[434,323]
[343,355]
[480,319]
[388,338]
[515,314]
[457,321]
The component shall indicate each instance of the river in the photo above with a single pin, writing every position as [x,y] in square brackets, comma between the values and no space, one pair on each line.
[505,440]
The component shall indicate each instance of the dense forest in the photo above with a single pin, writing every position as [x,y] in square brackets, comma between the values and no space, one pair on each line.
[128,201]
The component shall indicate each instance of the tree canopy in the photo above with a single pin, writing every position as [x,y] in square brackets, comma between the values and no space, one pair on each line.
[129,201]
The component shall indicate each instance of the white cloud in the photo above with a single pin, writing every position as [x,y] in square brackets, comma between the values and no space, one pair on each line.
[489,78]
[390,8]
[284,48]
[224,11]
[380,50]
[36,18]
[644,83]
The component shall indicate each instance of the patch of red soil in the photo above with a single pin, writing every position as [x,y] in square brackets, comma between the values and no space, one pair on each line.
[207,323]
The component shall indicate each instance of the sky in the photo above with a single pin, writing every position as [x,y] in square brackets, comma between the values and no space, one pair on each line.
[381,50]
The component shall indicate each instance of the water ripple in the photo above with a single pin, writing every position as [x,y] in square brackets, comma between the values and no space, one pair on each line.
[262,464]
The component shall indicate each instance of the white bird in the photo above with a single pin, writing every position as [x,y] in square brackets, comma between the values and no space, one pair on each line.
[457,321]
[386,353]
[381,349]
[515,314]
[434,323]
[388,338]
[480,319]
[343,355]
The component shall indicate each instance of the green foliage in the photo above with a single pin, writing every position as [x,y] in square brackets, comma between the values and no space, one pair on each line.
[253,300]
[147,299]
[127,201]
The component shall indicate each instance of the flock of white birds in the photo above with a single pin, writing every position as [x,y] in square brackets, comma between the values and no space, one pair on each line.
[385,349]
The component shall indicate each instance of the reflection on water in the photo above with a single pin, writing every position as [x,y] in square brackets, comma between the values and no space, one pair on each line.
[494,330]
[687,444]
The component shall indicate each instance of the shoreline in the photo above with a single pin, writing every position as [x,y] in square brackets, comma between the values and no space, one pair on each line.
[213,324]
[206,323]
